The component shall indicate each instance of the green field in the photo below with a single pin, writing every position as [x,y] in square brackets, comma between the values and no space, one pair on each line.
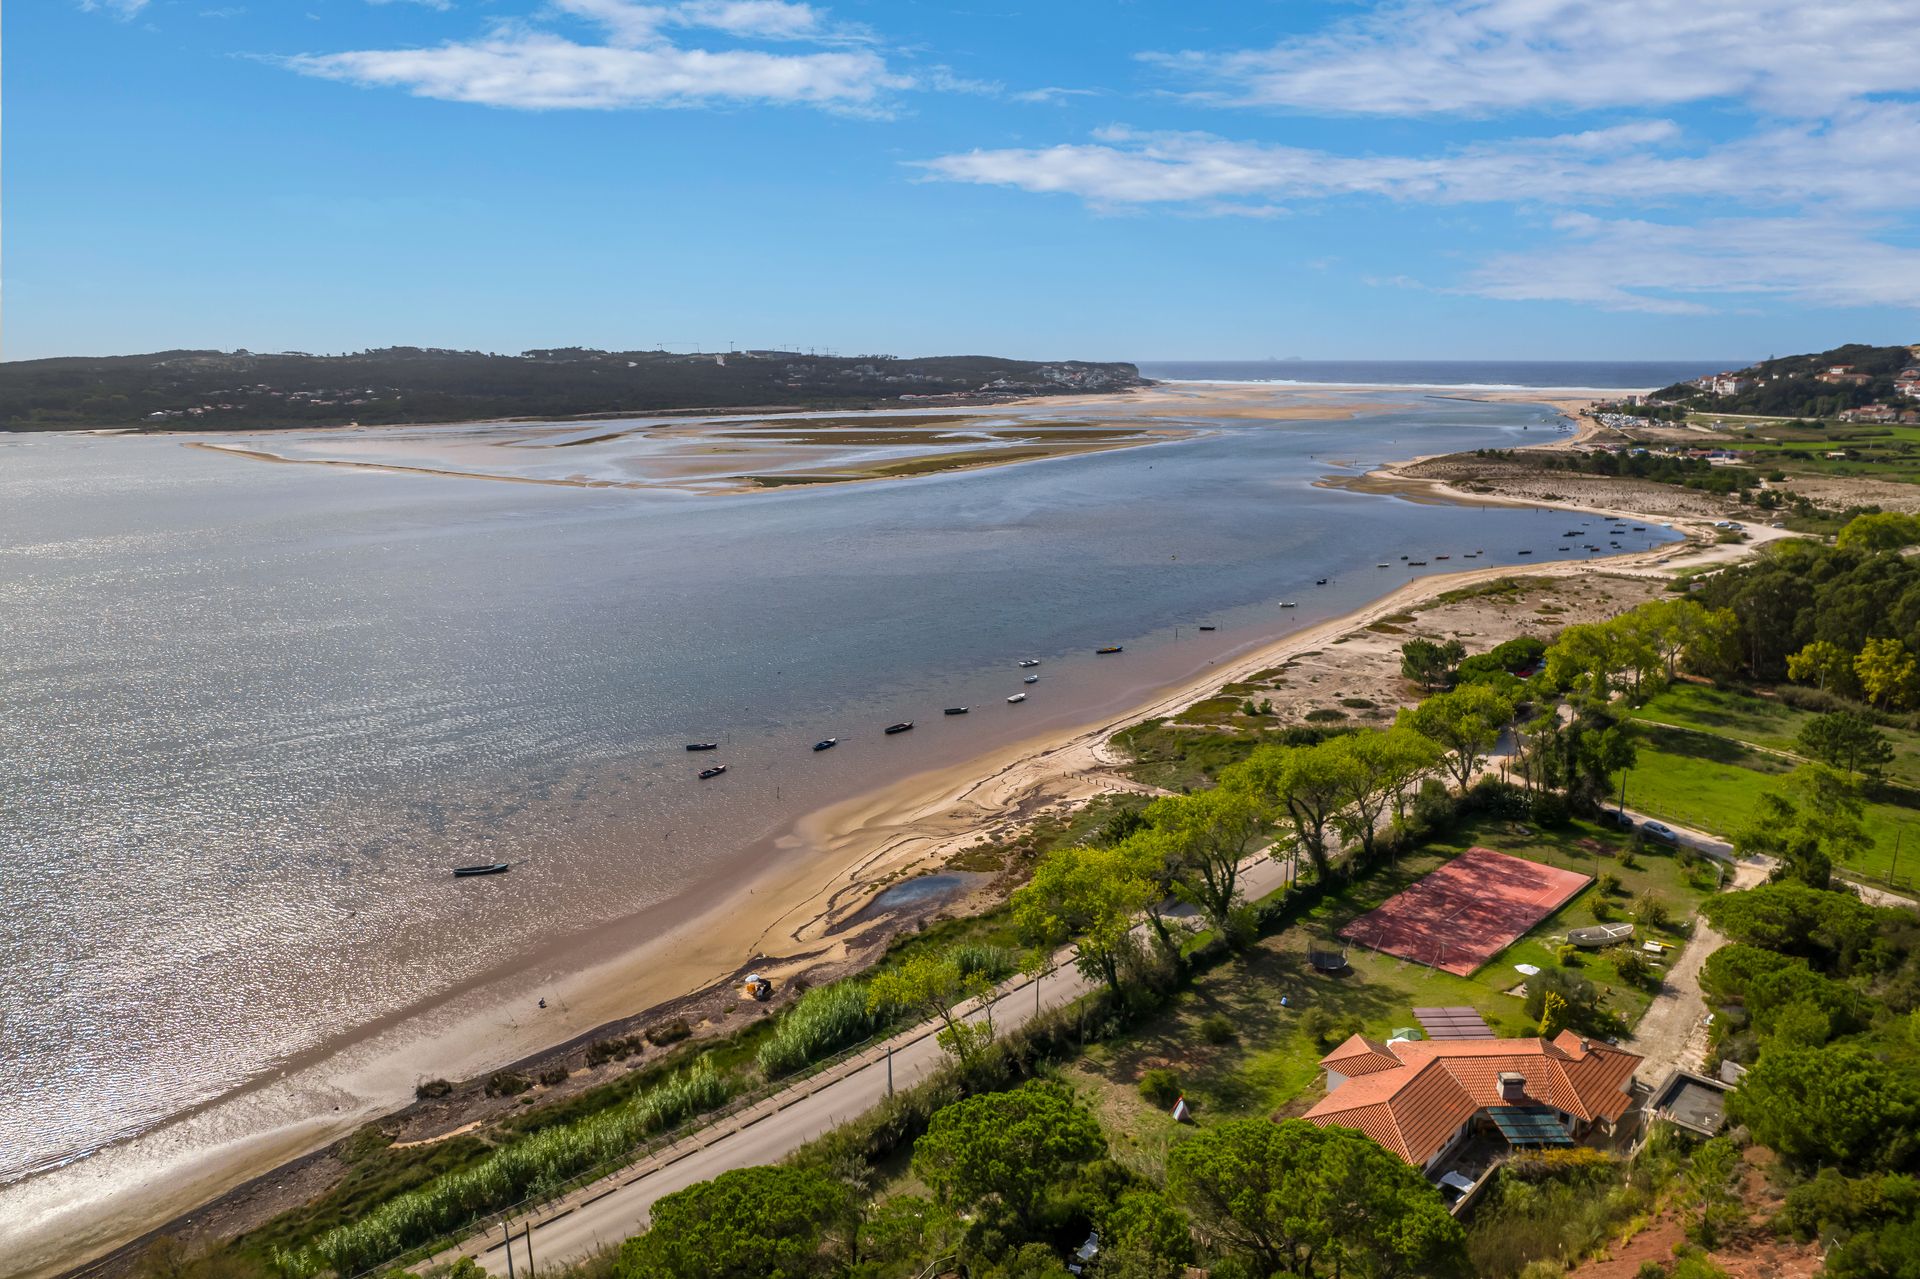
[1271,1064]
[1713,783]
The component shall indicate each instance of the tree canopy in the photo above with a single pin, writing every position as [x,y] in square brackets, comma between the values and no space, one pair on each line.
[751,1223]
[1009,1147]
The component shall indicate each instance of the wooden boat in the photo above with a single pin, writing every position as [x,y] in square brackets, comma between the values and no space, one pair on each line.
[1600,935]
[492,868]
[1443,557]
[954,710]
[1111,648]
[1031,679]
[715,771]
[1031,661]
[1018,697]
[903,726]
[826,743]
[703,746]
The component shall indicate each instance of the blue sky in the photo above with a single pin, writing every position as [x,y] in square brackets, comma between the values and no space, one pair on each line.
[1140,180]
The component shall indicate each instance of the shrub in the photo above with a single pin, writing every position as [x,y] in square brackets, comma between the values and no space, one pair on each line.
[1161,1087]
[432,1088]
[1601,908]
[610,1050]
[1548,808]
[668,1032]
[553,1075]
[1608,883]
[1357,703]
[507,1083]
[1568,956]
[824,1020]
[1651,910]
[1216,1028]
[1650,1270]
[1324,714]
[1633,967]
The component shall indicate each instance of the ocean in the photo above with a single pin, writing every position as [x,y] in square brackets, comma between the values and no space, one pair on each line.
[1464,374]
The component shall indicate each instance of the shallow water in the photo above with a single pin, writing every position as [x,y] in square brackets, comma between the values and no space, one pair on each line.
[255,712]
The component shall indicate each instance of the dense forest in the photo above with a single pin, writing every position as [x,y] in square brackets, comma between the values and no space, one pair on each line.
[1789,386]
[214,390]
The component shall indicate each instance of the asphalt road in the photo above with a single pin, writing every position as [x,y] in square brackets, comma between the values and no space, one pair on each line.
[616,1207]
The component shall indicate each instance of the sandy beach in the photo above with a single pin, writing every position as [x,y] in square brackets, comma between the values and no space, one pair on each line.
[792,915]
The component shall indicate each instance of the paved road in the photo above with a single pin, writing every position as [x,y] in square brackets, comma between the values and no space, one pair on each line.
[617,1207]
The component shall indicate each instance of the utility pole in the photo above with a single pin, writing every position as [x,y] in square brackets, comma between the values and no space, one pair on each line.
[506,1232]
[889,1070]
[528,1236]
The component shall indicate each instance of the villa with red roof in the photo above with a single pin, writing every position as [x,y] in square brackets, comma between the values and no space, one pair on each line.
[1422,1099]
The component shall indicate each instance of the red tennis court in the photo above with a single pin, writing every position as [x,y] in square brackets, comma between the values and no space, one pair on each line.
[1467,911]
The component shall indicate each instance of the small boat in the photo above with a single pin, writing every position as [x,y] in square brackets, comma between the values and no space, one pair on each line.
[1215,628]
[1288,604]
[1031,661]
[1560,548]
[492,868]
[1018,697]
[826,743]
[1111,648]
[1403,557]
[1572,532]
[1639,528]
[715,771]
[1383,566]
[1523,552]
[901,727]
[1416,563]
[954,710]
[703,746]
[1319,581]
[1031,679]
[1443,557]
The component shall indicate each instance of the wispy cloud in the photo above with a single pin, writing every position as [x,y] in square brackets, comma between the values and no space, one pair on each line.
[1633,265]
[1420,57]
[121,9]
[635,62]
[1855,161]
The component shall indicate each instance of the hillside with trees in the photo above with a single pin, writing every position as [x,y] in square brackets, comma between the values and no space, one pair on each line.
[1791,385]
[241,390]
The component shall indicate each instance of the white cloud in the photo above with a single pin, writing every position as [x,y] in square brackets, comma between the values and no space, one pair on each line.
[441,5]
[121,9]
[636,65]
[1861,160]
[1417,57]
[1632,265]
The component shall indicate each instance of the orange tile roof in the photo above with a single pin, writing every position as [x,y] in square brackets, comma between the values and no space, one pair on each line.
[1358,1055]
[1412,1108]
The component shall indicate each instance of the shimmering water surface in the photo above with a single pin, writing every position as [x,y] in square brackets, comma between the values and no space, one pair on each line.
[254,713]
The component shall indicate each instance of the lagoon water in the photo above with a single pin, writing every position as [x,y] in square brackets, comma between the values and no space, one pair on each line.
[254,713]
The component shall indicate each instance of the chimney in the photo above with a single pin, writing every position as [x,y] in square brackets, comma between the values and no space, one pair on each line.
[1513,1086]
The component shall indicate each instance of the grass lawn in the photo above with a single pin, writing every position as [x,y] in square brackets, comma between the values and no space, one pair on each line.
[1761,721]
[1271,1065]
[1714,784]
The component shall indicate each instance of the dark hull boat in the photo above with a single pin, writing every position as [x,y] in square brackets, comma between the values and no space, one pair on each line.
[954,710]
[703,746]
[903,726]
[1209,628]
[492,868]
[715,771]
[826,743]
[1111,648]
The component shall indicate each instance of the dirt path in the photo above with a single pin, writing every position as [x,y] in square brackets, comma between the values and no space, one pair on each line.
[1674,1032]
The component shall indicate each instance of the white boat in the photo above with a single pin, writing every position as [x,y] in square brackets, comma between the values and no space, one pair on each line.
[1018,697]
[1031,679]
[1031,661]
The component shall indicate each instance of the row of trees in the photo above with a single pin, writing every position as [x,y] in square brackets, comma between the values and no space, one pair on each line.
[1010,1174]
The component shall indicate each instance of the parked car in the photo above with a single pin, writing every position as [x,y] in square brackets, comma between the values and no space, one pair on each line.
[1659,831]
[1614,817]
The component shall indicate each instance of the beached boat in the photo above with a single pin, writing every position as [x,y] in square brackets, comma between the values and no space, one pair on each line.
[1018,697]
[715,771]
[491,868]
[1111,648]
[954,710]
[901,727]
[1599,935]
[1031,679]
[1031,661]
[703,746]
[826,743]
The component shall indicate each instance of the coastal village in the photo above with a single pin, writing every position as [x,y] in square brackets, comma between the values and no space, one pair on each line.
[1530,902]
